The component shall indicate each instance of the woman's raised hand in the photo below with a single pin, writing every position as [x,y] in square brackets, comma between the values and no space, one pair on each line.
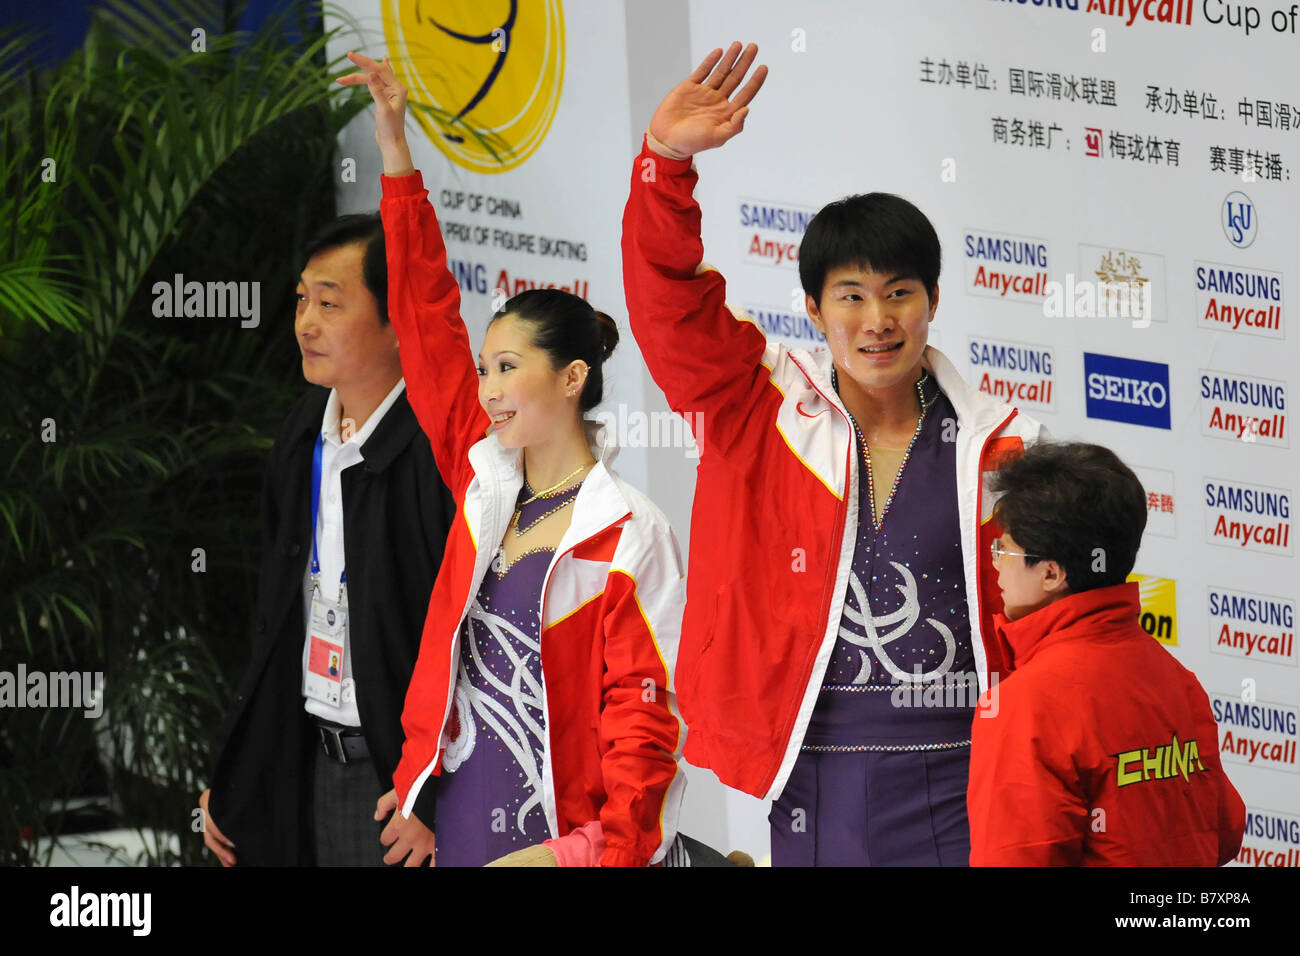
[701,112]
[390,110]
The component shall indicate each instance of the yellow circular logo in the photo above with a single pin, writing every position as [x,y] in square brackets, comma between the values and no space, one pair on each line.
[488,71]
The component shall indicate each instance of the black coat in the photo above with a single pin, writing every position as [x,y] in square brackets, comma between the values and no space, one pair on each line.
[396,514]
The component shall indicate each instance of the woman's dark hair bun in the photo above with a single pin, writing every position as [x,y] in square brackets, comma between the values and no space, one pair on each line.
[608,333]
[567,328]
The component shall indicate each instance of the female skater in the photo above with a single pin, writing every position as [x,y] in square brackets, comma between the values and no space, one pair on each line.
[542,704]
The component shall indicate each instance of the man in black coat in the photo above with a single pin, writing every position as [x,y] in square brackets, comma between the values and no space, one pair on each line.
[308,747]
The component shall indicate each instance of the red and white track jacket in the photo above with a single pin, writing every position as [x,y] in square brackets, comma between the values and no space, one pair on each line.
[773,528]
[611,600]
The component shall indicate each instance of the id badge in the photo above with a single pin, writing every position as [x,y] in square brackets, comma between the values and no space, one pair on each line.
[329,633]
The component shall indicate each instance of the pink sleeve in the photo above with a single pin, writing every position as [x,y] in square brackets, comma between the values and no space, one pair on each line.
[580,847]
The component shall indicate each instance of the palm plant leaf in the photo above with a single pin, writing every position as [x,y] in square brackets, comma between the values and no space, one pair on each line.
[128,516]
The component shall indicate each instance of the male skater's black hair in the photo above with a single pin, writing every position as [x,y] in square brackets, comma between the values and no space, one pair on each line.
[880,231]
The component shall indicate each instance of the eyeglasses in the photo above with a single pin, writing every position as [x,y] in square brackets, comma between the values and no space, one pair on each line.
[995,549]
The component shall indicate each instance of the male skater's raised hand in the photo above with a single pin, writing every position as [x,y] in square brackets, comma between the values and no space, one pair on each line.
[701,112]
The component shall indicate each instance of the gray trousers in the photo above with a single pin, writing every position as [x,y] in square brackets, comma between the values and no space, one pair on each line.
[344,830]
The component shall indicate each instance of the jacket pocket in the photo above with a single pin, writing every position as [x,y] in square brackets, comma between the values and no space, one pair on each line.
[711,619]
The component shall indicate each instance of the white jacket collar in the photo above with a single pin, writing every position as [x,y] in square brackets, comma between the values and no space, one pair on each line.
[600,502]
[975,409]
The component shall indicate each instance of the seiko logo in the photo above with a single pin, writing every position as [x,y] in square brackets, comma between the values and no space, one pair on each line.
[1131,391]
[1127,390]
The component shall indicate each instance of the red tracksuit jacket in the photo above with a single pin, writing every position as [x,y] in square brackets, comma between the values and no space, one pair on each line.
[1099,750]
[774,521]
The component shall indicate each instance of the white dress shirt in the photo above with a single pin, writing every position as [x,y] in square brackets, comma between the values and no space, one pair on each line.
[336,455]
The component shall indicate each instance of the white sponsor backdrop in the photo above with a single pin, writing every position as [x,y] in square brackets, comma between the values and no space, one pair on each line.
[1061,166]
[847,108]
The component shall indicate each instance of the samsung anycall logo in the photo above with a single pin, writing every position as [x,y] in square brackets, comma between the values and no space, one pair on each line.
[1243,408]
[1239,299]
[1126,390]
[1005,266]
[772,231]
[1254,517]
[1018,373]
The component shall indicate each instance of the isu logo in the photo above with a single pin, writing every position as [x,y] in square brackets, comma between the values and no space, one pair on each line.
[491,70]
[1240,221]
[1159,763]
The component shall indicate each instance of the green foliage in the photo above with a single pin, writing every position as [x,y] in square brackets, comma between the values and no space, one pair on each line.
[216,165]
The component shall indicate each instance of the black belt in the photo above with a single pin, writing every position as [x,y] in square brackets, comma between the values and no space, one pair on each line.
[344,744]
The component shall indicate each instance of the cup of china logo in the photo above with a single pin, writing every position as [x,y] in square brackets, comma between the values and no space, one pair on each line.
[491,71]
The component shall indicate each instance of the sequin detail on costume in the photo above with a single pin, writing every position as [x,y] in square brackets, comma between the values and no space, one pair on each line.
[543,506]
[926,402]
[913,554]
[490,795]
[905,621]
[905,617]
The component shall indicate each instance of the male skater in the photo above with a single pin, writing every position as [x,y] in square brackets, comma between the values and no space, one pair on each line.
[839,543]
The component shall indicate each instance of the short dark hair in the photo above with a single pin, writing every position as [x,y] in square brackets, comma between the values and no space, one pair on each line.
[566,327]
[880,231]
[1064,501]
[365,228]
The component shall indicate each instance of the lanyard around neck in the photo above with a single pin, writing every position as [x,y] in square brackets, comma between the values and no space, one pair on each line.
[315,514]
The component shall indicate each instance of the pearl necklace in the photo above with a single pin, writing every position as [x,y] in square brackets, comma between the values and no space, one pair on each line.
[866,453]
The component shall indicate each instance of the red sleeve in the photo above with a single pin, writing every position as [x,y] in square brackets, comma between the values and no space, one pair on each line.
[1025,802]
[698,352]
[424,306]
[1231,811]
[640,734]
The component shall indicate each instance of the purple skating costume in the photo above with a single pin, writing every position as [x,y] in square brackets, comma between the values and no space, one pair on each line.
[876,782]
[489,799]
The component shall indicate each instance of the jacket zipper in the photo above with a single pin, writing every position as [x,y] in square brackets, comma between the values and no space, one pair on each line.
[541,616]
[828,591]
[454,663]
